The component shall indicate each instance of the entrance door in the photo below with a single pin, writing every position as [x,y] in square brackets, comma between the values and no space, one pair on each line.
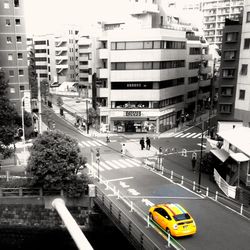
[129,126]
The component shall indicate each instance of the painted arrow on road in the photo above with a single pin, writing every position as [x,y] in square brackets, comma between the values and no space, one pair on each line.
[147,202]
[133,191]
[123,184]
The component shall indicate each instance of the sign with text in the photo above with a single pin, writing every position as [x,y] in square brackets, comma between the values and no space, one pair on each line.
[132,113]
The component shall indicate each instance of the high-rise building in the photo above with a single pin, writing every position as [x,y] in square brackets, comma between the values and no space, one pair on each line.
[13,49]
[229,69]
[152,70]
[242,96]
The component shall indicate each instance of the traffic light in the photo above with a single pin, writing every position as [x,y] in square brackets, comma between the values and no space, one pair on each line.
[97,155]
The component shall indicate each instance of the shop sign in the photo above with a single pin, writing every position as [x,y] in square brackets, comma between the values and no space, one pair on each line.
[133,113]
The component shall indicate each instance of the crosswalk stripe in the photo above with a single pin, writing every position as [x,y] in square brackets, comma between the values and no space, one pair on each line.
[104,165]
[191,135]
[199,134]
[185,135]
[199,144]
[112,164]
[137,161]
[102,142]
[132,162]
[96,166]
[88,166]
[92,143]
[119,163]
[126,163]
[84,143]
[178,135]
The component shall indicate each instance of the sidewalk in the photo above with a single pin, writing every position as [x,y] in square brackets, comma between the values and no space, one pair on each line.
[134,149]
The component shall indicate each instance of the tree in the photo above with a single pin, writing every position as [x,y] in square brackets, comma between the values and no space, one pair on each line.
[92,116]
[55,161]
[32,75]
[44,87]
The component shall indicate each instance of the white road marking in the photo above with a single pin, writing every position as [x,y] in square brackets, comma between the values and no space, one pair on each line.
[92,143]
[123,184]
[120,179]
[96,167]
[84,143]
[133,191]
[103,143]
[199,144]
[104,165]
[178,135]
[199,134]
[112,164]
[126,163]
[119,163]
[185,135]
[147,202]
[132,162]
[191,135]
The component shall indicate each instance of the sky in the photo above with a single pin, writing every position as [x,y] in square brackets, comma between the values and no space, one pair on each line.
[45,16]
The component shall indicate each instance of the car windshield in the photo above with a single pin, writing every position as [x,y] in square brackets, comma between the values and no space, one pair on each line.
[181,217]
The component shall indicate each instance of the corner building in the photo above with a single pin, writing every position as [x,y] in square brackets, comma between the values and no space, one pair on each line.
[144,76]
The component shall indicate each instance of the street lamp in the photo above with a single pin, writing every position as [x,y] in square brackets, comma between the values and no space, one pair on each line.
[22,109]
[87,115]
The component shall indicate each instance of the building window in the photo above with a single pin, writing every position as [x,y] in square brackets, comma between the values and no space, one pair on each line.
[7,22]
[247,43]
[9,39]
[228,73]
[226,91]
[12,90]
[229,55]
[18,21]
[11,73]
[10,57]
[195,51]
[192,79]
[242,94]
[225,108]
[20,72]
[194,65]
[40,42]
[16,3]
[20,55]
[243,70]
[6,5]
[231,37]
[248,17]
[22,87]
[19,39]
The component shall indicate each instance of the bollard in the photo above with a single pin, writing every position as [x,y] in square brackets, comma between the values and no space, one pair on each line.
[216,195]
[172,173]
[114,190]
[193,185]
[207,191]
[182,180]
[162,170]
[241,209]
[169,240]
[118,195]
[131,206]
[107,185]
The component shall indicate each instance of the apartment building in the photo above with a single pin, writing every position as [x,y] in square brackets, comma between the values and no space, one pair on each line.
[214,14]
[229,69]
[242,96]
[148,70]
[56,56]
[13,49]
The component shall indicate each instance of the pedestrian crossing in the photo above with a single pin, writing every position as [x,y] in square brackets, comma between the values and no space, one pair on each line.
[109,165]
[187,135]
[92,143]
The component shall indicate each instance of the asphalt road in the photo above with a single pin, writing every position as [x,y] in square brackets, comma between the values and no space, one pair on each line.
[218,227]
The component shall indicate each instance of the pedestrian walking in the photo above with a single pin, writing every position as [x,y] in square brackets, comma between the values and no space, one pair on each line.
[123,150]
[148,143]
[142,143]
[194,158]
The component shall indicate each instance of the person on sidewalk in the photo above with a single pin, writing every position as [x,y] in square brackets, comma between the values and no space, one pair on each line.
[123,150]
[142,143]
[194,159]
[148,144]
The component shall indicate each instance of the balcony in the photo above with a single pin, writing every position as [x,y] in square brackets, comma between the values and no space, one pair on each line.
[102,92]
[204,83]
[103,53]
[61,58]
[206,70]
[60,49]
[62,66]
[143,8]
[103,73]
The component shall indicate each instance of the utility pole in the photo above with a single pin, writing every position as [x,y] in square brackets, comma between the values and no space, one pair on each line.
[87,115]
[39,103]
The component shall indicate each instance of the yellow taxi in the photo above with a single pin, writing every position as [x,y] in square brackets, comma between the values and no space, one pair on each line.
[173,218]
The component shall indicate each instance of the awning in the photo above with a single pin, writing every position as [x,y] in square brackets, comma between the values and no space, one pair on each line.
[221,154]
[239,157]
